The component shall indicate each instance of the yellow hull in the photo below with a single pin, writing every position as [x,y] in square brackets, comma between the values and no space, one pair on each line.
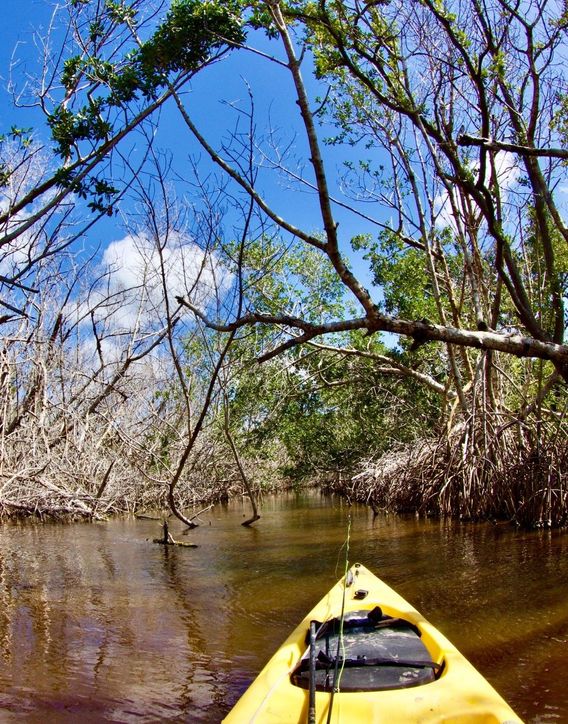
[459,695]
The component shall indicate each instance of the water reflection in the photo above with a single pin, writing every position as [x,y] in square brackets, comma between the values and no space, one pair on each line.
[97,623]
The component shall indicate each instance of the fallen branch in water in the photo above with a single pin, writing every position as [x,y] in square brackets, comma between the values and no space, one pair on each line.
[196,515]
[168,540]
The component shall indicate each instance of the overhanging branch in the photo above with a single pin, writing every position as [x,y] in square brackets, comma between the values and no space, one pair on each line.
[421,331]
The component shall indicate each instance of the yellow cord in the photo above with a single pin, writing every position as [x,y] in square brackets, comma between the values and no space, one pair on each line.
[341,640]
[345,573]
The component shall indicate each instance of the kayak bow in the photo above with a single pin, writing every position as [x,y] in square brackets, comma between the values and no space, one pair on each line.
[381,662]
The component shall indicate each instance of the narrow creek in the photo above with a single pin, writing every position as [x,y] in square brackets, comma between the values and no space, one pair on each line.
[98,624]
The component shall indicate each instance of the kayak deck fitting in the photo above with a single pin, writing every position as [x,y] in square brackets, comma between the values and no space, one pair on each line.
[379,662]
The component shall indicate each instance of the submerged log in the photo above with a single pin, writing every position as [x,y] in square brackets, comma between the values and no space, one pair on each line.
[168,540]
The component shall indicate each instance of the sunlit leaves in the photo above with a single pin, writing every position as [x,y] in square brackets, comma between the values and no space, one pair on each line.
[183,42]
[294,278]
[68,128]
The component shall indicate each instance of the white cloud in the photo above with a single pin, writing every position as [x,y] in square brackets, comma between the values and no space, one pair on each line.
[135,277]
[134,261]
[128,302]
[145,275]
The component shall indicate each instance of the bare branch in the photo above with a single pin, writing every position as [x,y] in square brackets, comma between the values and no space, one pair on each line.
[493,145]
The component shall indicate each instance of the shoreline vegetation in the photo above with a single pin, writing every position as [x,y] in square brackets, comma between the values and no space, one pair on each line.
[509,481]
[514,476]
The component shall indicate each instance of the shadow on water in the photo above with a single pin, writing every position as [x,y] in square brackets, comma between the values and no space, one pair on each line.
[98,624]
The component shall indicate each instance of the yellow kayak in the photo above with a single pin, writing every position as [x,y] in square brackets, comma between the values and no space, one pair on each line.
[370,656]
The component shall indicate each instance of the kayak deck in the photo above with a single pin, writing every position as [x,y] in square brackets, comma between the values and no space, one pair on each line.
[369,652]
[391,664]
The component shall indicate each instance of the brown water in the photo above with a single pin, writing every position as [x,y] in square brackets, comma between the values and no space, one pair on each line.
[99,624]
